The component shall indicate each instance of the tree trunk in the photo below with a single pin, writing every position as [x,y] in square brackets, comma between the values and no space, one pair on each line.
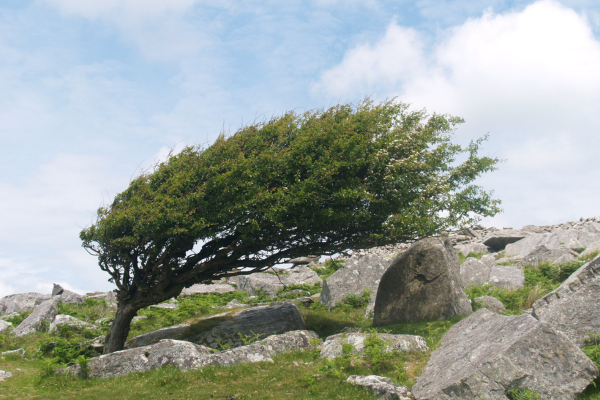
[117,335]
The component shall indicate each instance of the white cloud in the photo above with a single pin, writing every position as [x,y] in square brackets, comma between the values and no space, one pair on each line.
[530,78]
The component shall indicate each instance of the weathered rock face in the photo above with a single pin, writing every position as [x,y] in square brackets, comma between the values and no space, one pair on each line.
[381,387]
[4,326]
[507,277]
[573,308]
[226,327]
[486,354]
[34,322]
[500,239]
[293,340]
[109,297]
[63,319]
[474,272]
[422,284]
[22,302]
[332,347]
[491,303]
[465,249]
[300,274]
[266,282]
[541,254]
[71,297]
[592,247]
[200,288]
[360,273]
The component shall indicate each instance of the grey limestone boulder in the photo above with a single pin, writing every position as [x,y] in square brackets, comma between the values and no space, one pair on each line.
[381,387]
[332,347]
[18,303]
[300,274]
[71,297]
[498,240]
[553,255]
[490,302]
[474,272]
[253,283]
[507,277]
[109,297]
[20,352]
[63,319]
[35,321]
[226,327]
[359,273]
[592,247]
[465,249]
[422,284]
[486,355]
[289,341]
[488,259]
[573,308]
[200,288]
[4,326]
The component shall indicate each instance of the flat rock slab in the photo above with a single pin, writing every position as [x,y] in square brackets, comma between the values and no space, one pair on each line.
[34,322]
[18,303]
[574,307]
[381,387]
[490,302]
[332,347]
[200,288]
[474,272]
[507,277]
[498,240]
[486,355]
[4,375]
[359,273]
[289,341]
[225,328]
[422,284]
[544,254]
[109,297]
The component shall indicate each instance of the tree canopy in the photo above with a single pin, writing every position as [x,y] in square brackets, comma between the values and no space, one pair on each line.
[318,182]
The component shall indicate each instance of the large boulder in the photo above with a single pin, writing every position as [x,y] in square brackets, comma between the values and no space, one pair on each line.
[422,284]
[465,249]
[301,274]
[289,341]
[332,347]
[490,302]
[226,328]
[486,355]
[4,326]
[109,297]
[573,308]
[200,288]
[63,319]
[39,319]
[382,387]
[359,273]
[474,272]
[260,281]
[18,303]
[498,240]
[67,296]
[542,253]
[507,277]
[591,248]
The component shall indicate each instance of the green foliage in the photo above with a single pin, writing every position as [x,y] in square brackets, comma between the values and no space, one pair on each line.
[592,350]
[463,258]
[435,331]
[17,319]
[355,301]
[331,266]
[520,394]
[89,311]
[64,351]
[249,339]
[588,257]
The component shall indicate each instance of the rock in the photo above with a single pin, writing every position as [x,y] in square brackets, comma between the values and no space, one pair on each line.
[301,274]
[4,326]
[507,277]
[572,308]
[359,273]
[136,318]
[542,253]
[226,327]
[18,303]
[332,347]
[592,247]
[371,306]
[71,297]
[381,387]
[39,319]
[474,272]
[200,288]
[498,240]
[63,319]
[289,341]
[490,302]
[304,260]
[465,249]
[7,316]
[57,289]
[165,306]
[244,354]
[235,303]
[109,297]
[304,301]
[4,375]
[20,352]
[253,283]
[96,343]
[422,284]
[488,259]
[486,354]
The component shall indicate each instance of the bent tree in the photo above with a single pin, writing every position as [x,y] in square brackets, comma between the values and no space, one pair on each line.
[320,182]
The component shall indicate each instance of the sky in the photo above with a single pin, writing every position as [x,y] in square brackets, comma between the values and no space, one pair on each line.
[92,93]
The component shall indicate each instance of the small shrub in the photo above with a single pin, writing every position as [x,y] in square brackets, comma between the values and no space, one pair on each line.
[331,266]
[520,394]
[65,351]
[355,301]
[17,319]
[249,339]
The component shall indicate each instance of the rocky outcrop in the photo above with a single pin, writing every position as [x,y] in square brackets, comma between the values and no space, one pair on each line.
[543,254]
[289,341]
[572,308]
[4,326]
[109,297]
[39,319]
[498,240]
[18,303]
[491,303]
[359,273]
[507,277]
[66,296]
[63,319]
[474,272]
[271,283]
[486,355]
[465,249]
[422,284]
[226,328]
[200,288]
[381,387]
[332,347]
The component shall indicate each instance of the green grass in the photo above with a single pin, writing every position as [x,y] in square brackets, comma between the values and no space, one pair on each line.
[463,258]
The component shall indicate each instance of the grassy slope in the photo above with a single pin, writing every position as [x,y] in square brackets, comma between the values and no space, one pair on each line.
[290,376]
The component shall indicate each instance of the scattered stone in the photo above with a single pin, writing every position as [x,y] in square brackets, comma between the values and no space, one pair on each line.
[138,318]
[289,341]
[96,343]
[507,277]
[63,319]
[4,375]
[498,240]
[200,288]
[226,328]
[422,284]
[39,319]
[253,283]
[304,301]
[20,352]
[572,308]
[486,354]
[490,302]
[474,272]
[18,303]
[555,256]
[4,326]
[332,347]
[359,273]
[381,387]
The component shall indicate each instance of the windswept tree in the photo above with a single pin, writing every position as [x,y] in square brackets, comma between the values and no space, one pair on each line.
[320,182]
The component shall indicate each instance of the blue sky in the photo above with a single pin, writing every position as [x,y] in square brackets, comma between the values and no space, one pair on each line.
[93,92]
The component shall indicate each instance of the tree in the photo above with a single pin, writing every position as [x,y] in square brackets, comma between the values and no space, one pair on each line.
[320,182]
